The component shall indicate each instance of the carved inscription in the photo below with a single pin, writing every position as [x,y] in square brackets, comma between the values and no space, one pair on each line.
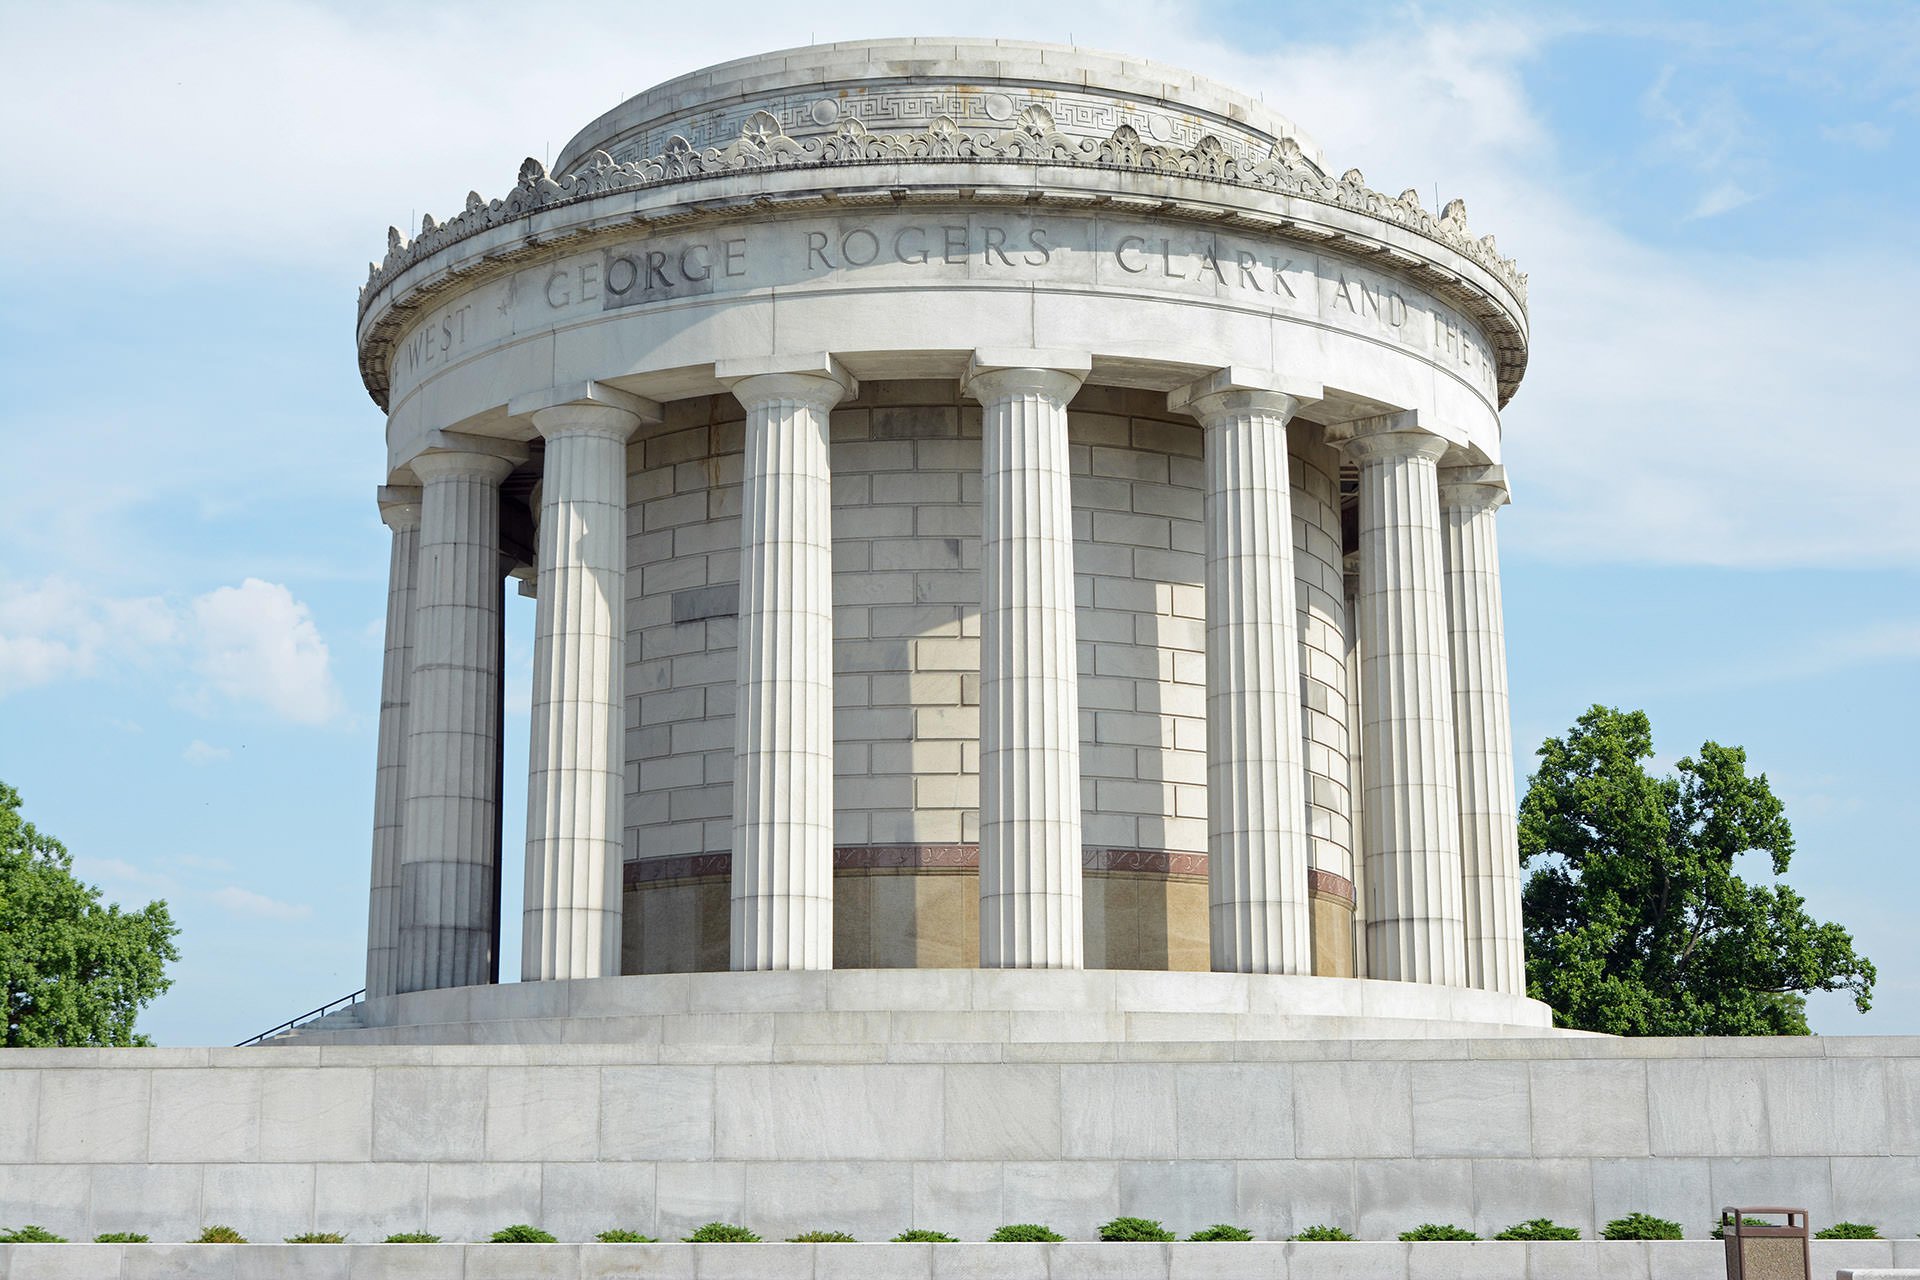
[436,341]
[1068,252]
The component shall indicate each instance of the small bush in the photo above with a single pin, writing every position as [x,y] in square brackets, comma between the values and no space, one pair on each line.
[822,1237]
[1848,1231]
[1642,1226]
[1221,1231]
[521,1233]
[1438,1231]
[617,1236]
[219,1235]
[1538,1229]
[412,1237]
[317,1237]
[1140,1229]
[31,1234]
[1720,1232]
[1312,1234]
[1025,1233]
[920,1235]
[122,1237]
[722,1233]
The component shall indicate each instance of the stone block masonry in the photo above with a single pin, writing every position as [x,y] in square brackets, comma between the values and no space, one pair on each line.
[872,1136]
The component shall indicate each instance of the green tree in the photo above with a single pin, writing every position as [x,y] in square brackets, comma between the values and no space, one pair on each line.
[1635,922]
[76,972]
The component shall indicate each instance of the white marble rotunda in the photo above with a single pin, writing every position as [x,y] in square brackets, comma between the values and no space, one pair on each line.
[990,505]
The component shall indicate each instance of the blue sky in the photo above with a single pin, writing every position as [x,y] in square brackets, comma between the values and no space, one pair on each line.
[1713,453]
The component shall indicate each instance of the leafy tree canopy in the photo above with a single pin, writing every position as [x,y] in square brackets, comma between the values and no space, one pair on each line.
[1636,924]
[76,972]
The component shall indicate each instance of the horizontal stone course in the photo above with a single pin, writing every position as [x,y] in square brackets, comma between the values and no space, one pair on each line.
[1657,1260]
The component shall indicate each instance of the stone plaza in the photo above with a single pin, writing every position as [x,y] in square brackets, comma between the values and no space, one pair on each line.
[1019,731]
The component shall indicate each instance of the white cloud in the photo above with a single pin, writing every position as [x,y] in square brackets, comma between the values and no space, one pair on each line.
[203,753]
[258,644]
[1864,134]
[1707,131]
[1683,405]
[251,645]
[53,630]
[245,902]
[118,875]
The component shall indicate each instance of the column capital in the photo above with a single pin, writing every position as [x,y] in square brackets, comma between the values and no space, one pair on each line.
[1390,435]
[1480,487]
[591,407]
[815,378]
[399,506]
[993,371]
[436,463]
[1234,389]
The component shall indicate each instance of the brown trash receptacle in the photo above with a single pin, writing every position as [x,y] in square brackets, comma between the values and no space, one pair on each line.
[1776,1251]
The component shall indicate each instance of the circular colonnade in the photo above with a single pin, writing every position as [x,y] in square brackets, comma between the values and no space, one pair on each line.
[989,505]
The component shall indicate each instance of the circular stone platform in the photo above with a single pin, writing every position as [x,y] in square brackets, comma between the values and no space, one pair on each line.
[880,1007]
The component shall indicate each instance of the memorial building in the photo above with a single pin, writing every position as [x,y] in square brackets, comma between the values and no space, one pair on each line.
[989,506]
[1019,735]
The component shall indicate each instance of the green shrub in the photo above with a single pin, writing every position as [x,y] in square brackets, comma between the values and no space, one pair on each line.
[1025,1233]
[1140,1229]
[920,1235]
[31,1234]
[1438,1231]
[412,1237]
[1221,1231]
[822,1237]
[722,1233]
[1642,1226]
[1322,1234]
[317,1237]
[1848,1231]
[617,1236]
[122,1237]
[1538,1229]
[1720,1232]
[219,1235]
[521,1233]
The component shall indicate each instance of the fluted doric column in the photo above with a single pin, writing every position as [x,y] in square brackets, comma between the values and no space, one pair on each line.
[448,881]
[576,776]
[1412,825]
[1030,901]
[1257,841]
[782,894]
[1483,728]
[400,511]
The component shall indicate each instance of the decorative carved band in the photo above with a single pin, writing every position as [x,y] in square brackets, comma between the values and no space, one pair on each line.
[960,857]
[1333,886]
[1034,139]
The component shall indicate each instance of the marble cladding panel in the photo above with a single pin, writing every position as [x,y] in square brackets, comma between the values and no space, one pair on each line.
[579,1138]
[906,498]
[1314,468]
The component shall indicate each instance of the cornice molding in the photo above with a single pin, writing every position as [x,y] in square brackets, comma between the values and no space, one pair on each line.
[1033,139]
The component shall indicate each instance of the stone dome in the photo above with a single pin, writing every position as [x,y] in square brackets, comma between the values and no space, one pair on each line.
[978,84]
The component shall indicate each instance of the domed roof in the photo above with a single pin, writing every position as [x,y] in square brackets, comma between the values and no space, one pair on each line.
[976,83]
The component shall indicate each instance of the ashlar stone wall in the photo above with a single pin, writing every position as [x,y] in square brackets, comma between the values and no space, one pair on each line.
[906,496]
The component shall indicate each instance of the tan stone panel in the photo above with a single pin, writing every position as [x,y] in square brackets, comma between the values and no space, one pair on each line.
[852,946]
[1332,937]
[1187,926]
[947,919]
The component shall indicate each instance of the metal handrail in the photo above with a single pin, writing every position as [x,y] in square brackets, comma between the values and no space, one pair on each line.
[342,1003]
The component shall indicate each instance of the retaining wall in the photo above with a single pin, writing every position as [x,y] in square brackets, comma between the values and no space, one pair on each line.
[1373,1136]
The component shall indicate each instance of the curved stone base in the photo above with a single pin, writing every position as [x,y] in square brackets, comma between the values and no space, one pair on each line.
[874,1008]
